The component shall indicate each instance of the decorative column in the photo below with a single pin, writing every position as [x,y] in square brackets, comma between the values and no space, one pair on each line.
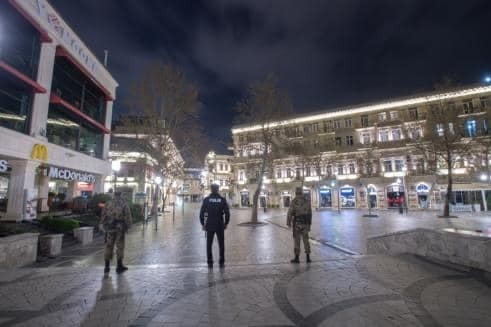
[43,192]
[40,104]
[22,178]
[107,137]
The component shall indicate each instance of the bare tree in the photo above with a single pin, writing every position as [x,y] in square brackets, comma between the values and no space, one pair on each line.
[267,106]
[164,120]
[442,141]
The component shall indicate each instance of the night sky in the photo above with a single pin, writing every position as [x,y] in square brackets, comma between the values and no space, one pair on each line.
[324,53]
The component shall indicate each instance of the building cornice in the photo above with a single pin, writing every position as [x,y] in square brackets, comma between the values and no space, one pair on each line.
[341,112]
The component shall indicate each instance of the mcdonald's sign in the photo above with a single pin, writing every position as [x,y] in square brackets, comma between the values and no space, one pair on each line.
[39,152]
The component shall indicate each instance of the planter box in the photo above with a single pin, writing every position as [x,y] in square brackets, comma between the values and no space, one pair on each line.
[18,250]
[84,235]
[50,245]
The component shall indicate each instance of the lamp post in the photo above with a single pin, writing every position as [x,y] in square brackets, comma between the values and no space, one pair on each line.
[406,193]
[157,180]
[115,166]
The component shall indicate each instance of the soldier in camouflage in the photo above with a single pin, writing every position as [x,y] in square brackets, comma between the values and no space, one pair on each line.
[116,219]
[300,218]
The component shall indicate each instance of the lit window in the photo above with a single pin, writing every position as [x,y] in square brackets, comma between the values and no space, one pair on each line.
[387,166]
[398,164]
[396,134]
[439,129]
[471,128]
[394,115]
[384,136]
[468,107]
[340,170]
[352,168]
[382,116]
[366,138]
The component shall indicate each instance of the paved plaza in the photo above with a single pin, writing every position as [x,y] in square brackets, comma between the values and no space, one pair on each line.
[168,283]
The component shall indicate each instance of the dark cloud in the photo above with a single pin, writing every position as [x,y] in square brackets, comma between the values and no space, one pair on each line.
[325,53]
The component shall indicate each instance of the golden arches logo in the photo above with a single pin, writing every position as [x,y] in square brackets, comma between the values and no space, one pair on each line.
[39,152]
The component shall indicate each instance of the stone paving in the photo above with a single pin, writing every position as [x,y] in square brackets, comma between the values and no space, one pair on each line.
[350,229]
[168,284]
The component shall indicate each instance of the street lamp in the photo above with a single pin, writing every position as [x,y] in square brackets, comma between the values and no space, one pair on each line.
[115,166]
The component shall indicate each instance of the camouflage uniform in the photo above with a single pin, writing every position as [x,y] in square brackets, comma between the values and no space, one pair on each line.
[300,215]
[116,219]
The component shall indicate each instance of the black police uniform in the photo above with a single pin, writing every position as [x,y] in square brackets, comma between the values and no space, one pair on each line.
[211,216]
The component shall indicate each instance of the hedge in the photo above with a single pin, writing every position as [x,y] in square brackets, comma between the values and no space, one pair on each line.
[59,225]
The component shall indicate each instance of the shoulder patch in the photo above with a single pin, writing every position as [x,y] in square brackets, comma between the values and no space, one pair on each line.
[215,200]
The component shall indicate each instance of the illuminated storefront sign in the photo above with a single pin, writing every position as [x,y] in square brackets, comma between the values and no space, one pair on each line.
[39,152]
[70,175]
[3,166]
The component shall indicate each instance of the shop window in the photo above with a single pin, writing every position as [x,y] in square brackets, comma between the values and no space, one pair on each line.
[366,138]
[338,140]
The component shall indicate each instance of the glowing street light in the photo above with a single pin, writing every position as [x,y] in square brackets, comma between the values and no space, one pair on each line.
[487,79]
[115,166]
[158,180]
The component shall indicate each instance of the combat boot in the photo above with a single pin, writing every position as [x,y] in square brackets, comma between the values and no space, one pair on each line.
[106,266]
[120,268]
[295,260]
[308,258]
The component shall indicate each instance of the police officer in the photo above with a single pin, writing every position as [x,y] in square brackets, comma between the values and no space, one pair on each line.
[300,218]
[213,211]
[116,219]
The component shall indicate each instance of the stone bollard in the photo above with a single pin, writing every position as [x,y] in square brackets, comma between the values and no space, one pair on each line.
[50,245]
[84,235]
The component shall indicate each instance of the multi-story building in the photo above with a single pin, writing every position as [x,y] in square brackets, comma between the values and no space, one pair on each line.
[56,103]
[365,157]
[191,189]
[138,175]
[218,170]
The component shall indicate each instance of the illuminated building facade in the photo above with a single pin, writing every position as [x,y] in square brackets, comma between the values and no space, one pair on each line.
[365,157]
[56,103]
[219,170]
[139,176]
